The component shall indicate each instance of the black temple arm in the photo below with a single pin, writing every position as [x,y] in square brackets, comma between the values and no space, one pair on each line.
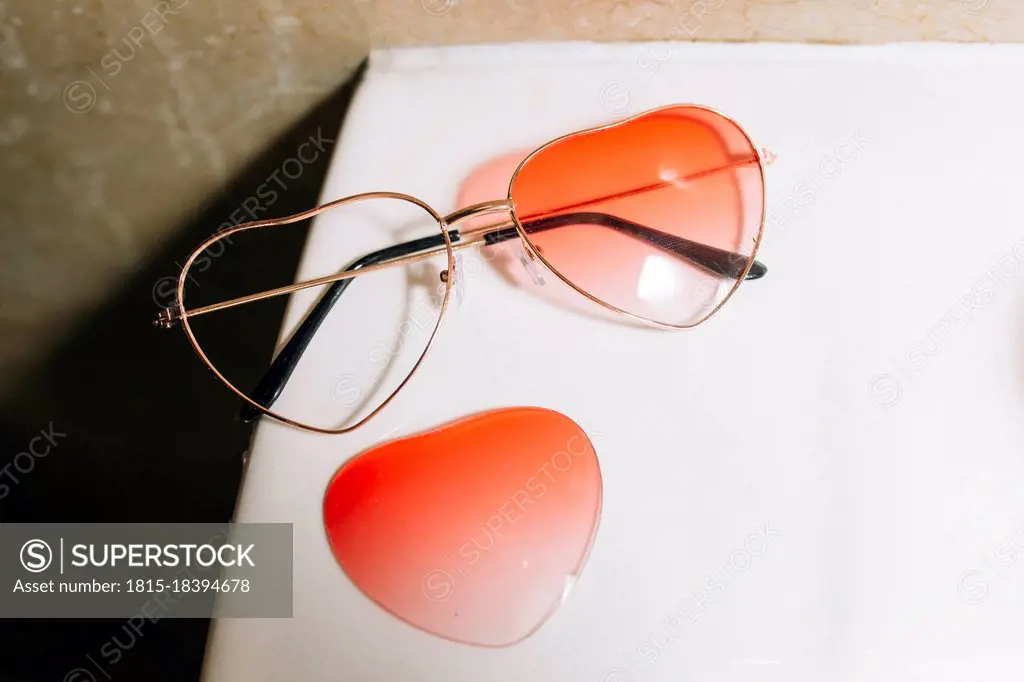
[268,390]
[719,261]
[725,263]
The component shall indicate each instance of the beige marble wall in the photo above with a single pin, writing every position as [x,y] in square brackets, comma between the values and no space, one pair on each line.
[119,117]
[838,21]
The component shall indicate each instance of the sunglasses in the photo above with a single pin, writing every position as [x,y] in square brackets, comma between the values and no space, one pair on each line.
[656,219]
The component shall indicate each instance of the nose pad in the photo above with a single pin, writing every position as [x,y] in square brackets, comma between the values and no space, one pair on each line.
[529,262]
[459,285]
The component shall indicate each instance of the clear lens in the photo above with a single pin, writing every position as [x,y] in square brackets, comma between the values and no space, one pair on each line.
[345,346]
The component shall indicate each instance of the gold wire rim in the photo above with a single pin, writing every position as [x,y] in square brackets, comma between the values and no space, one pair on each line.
[184,313]
[475,240]
[535,253]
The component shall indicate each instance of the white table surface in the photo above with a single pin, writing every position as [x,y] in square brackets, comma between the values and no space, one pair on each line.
[889,478]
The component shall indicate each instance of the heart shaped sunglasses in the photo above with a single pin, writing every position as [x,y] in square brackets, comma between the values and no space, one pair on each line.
[657,218]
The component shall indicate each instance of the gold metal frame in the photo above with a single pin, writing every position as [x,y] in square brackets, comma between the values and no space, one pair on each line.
[183,314]
[472,237]
[761,157]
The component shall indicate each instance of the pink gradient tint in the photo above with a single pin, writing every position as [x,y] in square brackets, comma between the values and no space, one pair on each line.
[475,531]
[682,172]
[490,181]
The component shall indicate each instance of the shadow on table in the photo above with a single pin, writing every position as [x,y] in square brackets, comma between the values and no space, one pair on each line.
[142,431]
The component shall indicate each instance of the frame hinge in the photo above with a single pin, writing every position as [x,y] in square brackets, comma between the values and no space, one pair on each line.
[168,317]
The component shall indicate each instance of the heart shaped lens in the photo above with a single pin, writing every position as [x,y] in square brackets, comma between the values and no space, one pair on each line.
[475,531]
[657,216]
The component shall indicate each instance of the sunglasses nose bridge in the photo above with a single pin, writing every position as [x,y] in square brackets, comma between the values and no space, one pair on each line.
[478,210]
[480,225]
[495,231]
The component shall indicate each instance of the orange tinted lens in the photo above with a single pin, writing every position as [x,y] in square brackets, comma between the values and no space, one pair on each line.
[657,216]
[475,531]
